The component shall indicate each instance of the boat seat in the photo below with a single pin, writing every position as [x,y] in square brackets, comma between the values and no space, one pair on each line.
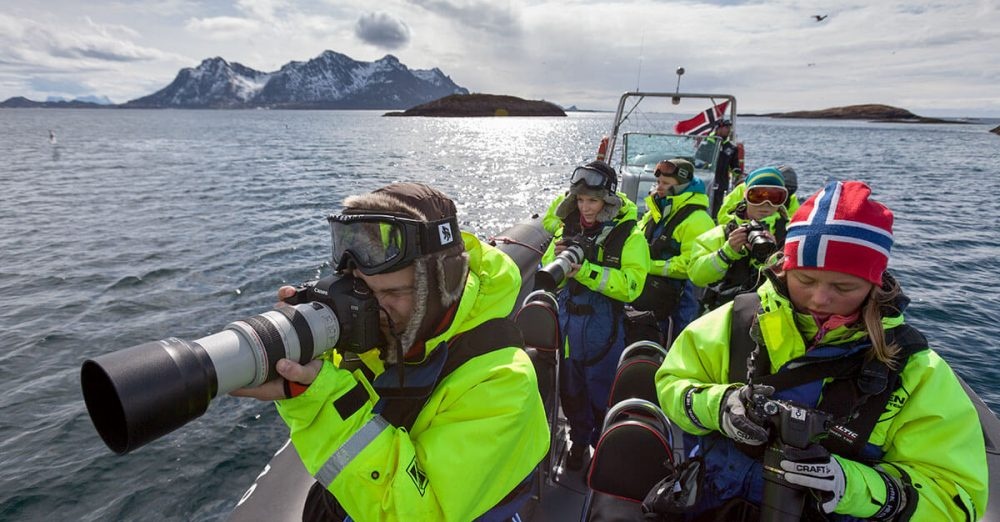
[633,454]
[538,320]
[634,377]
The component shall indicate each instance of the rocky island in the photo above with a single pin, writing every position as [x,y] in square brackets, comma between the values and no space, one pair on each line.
[472,105]
[871,112]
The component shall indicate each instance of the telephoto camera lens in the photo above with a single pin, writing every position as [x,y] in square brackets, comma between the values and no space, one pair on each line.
[141,393]
[550,276]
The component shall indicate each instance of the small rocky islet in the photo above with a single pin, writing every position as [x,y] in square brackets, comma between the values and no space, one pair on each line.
[870,112]
[480,105]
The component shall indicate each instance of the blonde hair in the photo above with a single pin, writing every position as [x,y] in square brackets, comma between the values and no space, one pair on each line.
[880,298]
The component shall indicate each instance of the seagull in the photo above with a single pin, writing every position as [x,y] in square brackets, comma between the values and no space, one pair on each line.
[820,18]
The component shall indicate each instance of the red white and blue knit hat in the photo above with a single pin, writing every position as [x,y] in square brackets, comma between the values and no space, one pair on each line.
[840,229]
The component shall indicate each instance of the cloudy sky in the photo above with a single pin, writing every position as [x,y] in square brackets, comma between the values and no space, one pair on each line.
[933,57]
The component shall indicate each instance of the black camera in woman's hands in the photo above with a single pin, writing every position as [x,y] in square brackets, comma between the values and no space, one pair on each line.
[761,242]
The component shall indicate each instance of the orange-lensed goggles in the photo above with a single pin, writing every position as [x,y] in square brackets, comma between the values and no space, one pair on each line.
[761,194]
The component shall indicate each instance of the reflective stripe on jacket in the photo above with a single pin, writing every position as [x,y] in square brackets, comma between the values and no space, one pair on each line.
[440,469]
[930,429]
[684,234]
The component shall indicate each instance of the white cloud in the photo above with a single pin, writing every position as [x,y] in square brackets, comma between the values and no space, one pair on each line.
[923,55]
[222,27]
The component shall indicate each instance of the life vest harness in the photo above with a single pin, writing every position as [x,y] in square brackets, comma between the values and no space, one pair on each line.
[660,294]
[400,406]
[663,245]
[741,276]
[613,244]
[857,395]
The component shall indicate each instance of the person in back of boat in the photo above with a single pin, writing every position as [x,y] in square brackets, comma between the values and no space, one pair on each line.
[676,216]
[902,438]
[600,220]
[735,198]
[728,258]
[727,163]
[400,436]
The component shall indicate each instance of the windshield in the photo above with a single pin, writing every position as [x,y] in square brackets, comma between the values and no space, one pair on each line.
[646,150]
[642,151]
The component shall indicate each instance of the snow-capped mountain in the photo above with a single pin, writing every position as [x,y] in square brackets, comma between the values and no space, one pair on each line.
[329,81]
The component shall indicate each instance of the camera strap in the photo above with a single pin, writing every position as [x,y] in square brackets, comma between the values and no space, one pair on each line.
[856,397]
[662,246]
[402,409]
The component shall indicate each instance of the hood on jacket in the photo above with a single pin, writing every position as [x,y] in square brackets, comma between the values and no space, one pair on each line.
[490,291]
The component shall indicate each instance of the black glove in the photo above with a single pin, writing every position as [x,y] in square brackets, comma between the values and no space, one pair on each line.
[734,420]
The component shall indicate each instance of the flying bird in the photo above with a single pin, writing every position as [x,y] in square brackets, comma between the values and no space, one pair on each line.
[820,18]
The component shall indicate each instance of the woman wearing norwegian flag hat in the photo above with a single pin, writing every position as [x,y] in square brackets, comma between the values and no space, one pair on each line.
[813,398]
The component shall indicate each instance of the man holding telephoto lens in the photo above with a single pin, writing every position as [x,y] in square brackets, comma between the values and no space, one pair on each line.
[400,436]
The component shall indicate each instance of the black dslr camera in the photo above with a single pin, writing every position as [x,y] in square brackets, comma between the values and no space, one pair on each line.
[354,305]
[760,241]
[796,428]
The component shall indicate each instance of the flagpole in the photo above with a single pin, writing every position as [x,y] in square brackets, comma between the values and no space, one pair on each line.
[676,100]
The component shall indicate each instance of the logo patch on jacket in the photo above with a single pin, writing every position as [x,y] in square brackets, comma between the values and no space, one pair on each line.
[896,402]
[417,476]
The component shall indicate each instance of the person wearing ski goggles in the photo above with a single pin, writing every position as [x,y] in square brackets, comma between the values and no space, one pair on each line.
[676,214]
[735,201]
[728,258]
[451,360]
[595,263]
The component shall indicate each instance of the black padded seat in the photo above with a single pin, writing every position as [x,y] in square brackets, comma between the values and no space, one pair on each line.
[634,377]
[633,454]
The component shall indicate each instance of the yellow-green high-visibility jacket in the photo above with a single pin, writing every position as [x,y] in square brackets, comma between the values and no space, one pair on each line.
[685,233]
[550,221]
[622,284]
[481,432]
[707,266]
[930,430]
[732,199]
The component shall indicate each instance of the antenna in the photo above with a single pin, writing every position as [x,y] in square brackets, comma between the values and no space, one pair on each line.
[642,45]
[676,100]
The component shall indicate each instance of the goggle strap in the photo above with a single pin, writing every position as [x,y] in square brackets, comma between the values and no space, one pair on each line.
[439,235]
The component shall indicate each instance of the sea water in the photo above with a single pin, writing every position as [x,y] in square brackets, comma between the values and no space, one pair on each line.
[139,225]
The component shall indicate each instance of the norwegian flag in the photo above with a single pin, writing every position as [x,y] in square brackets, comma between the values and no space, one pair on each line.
[841,231]
[704,122]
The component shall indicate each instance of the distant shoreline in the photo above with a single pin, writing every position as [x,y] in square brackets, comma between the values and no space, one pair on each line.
[869,112]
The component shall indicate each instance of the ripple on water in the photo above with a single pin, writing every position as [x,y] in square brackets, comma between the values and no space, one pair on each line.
[151,224]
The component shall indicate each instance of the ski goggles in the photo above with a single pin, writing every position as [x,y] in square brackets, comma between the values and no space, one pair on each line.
[663,171]
[378,243]
[760,194]
[593,179]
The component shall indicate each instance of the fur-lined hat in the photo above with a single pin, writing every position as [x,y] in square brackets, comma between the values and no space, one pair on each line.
[606,189]
[440,277]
